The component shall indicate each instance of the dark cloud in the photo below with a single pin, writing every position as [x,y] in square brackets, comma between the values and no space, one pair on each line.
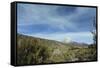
[66,10]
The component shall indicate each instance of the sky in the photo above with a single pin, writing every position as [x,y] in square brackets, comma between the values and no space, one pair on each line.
[56,22]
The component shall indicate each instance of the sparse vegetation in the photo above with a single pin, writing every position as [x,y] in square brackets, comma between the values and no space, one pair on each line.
[31,50]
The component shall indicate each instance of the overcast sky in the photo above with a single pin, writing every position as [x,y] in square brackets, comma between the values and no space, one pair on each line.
[56,22]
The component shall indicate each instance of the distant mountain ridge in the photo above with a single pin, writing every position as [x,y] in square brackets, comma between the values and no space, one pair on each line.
[69,43]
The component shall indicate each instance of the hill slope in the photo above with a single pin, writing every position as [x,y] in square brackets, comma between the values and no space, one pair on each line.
[32,50]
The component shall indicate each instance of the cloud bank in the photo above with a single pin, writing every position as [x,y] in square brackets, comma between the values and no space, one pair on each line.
[56,22]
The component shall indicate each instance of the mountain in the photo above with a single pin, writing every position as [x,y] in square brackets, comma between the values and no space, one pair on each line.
[33,50]
[72,43]
[78,44]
